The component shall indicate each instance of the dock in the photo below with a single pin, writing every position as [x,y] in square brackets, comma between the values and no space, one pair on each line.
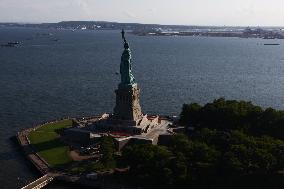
[40,183]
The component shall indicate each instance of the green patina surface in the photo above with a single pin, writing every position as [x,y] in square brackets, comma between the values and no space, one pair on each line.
[46,141]
[127,78]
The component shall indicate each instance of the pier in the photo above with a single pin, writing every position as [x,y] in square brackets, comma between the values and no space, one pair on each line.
[40,183]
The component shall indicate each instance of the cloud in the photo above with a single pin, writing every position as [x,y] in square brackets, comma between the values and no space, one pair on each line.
[196,12]
[247,9]
[130,15]
[84,7]
[152,10]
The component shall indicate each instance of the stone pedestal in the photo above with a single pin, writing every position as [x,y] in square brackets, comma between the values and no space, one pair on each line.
[127,104]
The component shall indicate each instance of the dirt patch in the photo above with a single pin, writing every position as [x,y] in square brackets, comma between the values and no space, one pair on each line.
[77,157]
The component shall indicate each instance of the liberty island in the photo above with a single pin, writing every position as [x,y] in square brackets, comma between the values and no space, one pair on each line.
[225,135]
[84,147]
[109,95]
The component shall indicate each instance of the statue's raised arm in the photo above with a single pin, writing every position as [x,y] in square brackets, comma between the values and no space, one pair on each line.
[123,35]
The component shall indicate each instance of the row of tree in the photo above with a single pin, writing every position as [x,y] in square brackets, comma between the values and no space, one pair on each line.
[227,115]
[235,144]
[208,159]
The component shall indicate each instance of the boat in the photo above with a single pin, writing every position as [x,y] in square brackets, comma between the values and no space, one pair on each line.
[13,43]
[271,44]
[10,44]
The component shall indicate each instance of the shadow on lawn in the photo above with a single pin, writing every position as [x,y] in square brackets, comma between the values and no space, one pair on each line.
[55,143]
[60,131]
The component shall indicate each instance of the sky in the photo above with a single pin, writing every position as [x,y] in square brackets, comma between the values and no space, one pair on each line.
[180,12]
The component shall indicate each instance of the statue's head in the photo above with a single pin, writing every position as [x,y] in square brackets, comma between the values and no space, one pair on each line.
[126,45]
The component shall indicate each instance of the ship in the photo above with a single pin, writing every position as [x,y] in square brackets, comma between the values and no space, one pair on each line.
[10,44]
[271,44]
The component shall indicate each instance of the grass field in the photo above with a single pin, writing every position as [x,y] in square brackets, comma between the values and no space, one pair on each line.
[87,167]
[48,145]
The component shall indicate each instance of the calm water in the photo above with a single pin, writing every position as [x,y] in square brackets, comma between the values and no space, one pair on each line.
[43,79]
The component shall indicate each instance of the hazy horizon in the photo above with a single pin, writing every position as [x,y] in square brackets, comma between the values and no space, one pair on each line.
[164,12]
[279,26]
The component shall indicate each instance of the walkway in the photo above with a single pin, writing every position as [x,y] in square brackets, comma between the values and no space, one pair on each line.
[159,130]
[38,162]
[40,183]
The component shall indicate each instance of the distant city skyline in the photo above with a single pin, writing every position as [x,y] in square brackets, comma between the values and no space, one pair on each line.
[174,12]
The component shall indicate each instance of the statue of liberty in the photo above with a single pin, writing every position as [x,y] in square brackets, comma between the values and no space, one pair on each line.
[127,106]
[127,78]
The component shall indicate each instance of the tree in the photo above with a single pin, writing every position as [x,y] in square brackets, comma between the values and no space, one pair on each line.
[107,150]
[225,115]
[190,114]
[151,164]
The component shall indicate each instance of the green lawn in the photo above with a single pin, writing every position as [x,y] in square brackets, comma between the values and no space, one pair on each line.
[87,167]
[47,144]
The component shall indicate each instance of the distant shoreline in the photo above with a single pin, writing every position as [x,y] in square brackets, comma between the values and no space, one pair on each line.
[160,30]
